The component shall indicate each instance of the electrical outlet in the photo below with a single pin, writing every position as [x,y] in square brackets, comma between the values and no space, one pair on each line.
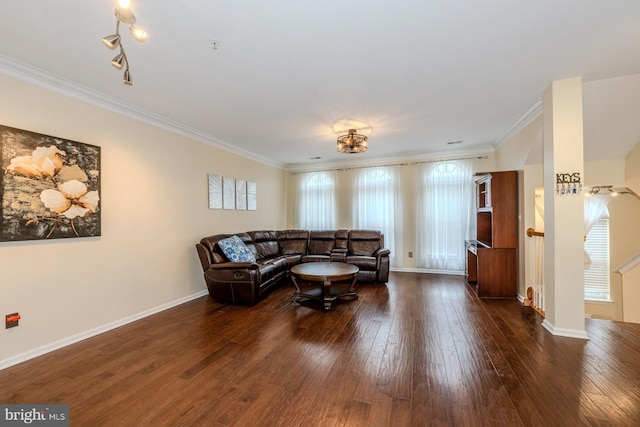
[410,254]
[11,320]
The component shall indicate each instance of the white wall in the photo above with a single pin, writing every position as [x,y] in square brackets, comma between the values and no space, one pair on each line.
[517,151]
[632,169]
[632,295]
[154,209]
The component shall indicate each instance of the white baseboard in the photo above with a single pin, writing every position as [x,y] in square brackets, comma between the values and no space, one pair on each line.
[562,332]
[426,271]
[23,357]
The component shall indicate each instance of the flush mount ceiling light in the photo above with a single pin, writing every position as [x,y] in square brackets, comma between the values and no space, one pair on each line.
[352,143]
[124,14]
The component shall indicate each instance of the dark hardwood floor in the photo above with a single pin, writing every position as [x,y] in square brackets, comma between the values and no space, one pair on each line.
[421,350]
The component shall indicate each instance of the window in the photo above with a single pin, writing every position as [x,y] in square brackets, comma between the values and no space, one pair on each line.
[316,200]
[376,204]
[445,204]
[597,270]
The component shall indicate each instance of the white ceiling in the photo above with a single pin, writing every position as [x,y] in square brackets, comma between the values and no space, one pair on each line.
[420,72]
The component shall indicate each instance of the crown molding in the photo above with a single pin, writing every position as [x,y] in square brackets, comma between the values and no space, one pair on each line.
[629,264]
[45,80]
[525,119]
[477,150]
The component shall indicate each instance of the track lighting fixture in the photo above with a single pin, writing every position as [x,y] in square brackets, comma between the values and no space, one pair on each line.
[124,14]
[608,190]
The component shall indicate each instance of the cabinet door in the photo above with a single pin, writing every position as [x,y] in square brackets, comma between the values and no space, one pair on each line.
[497,273]
[483,192]
[472,266]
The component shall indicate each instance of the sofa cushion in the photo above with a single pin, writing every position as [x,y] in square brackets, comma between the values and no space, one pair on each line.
[342,239]
[235,250]
[267,271]
[291,260]
[280,263]
[364,263]
[316,258]
[293,242]
[265,243]
[364,242]
[321,242]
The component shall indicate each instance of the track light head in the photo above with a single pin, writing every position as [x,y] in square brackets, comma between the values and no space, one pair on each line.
[138,33]
[126,79]
[111,41]
[119,60]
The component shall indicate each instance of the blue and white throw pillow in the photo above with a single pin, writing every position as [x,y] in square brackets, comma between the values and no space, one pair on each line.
[235,250]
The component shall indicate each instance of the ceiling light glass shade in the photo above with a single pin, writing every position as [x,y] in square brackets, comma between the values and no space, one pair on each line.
[125,15]
[111,41]
[127,78]
[352,143]
[124,4]
[138,33]
[118,61]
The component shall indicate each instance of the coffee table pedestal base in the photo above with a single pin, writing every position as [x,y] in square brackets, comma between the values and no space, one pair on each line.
[325,293]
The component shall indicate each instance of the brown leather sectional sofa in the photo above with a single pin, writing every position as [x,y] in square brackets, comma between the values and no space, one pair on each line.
[277,251]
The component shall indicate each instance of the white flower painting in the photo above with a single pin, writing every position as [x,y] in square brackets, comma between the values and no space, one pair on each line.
[49,187]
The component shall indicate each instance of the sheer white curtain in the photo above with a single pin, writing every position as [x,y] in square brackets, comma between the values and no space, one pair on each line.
[377,205]
[316,200]
[444,209]
[594,207]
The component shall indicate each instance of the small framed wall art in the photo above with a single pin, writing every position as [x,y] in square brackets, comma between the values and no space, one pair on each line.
[241,195]
[215,191]
[228,193]
[231,193]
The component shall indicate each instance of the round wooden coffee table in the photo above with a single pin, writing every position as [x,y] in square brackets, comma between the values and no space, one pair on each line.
[324,273]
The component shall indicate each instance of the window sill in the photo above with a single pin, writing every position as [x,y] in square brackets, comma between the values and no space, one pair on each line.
[599,301]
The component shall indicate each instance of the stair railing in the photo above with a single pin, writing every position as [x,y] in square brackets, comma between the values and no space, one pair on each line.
[535,274]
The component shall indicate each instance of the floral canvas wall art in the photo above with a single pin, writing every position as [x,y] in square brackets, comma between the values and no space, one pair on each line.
[49,187]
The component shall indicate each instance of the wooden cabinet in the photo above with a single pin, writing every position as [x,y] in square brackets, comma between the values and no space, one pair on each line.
[496,246]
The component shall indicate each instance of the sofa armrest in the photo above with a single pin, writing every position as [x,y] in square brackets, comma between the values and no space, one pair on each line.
[381,252]
[338,255]
[227,273]
[204,255]
[234,266]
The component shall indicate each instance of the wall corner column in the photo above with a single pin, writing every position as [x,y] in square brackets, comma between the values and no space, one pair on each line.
[564,212]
